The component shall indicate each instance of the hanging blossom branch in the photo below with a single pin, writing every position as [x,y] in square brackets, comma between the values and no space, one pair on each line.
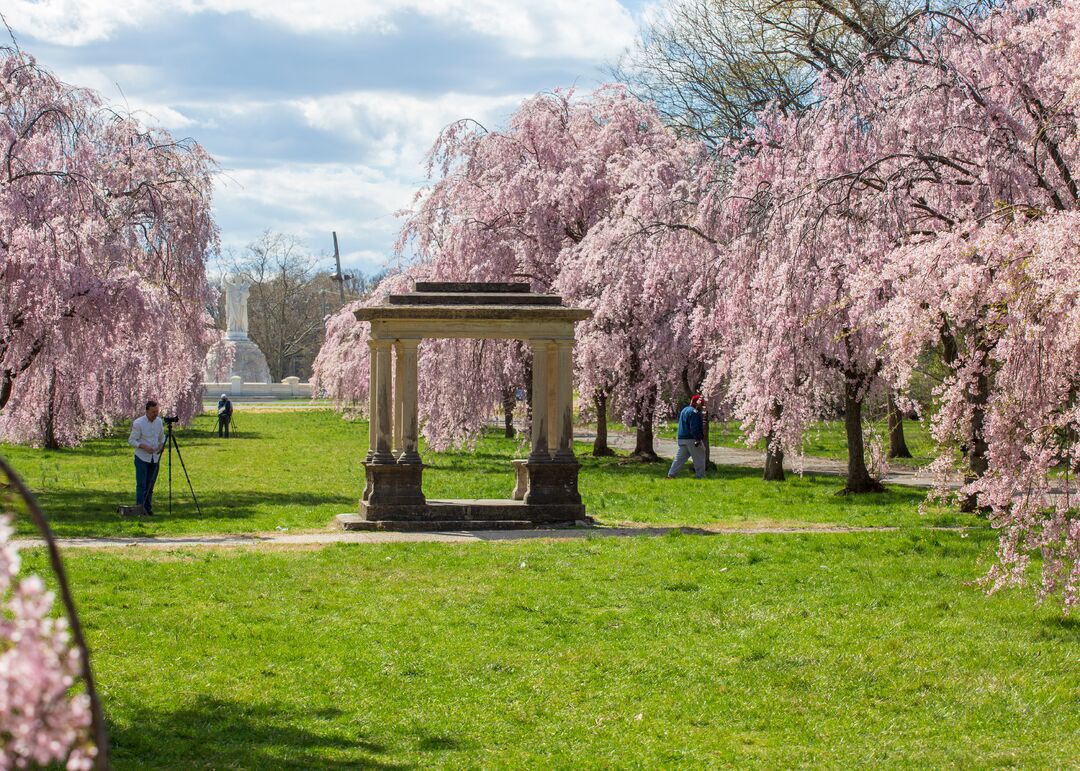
[41,721]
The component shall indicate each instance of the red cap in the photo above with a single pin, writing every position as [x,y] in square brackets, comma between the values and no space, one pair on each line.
[696,399]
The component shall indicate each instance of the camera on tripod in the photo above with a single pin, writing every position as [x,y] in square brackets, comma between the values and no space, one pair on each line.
[172,443]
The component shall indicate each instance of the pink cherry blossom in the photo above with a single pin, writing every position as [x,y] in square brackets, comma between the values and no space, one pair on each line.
[104,230]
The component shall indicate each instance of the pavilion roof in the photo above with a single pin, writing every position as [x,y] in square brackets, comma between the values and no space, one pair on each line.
[473,301]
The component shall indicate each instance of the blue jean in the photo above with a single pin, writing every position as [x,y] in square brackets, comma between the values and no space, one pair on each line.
[688,450]
[145,476]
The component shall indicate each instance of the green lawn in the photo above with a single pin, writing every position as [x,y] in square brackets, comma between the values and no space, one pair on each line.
[298,469]
[870,649]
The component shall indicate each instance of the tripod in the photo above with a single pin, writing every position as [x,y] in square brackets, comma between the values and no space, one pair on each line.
[171,442]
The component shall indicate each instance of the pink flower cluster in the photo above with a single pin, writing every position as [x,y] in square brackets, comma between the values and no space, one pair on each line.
[104,231]
[42,720]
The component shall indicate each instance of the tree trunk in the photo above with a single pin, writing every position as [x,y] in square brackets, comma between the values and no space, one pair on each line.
[858,477]
[600,447]
[644,441]
[508,403]
[643,445]
[978,462]
[897,445]
[50,415]
[6,383]
[774,458]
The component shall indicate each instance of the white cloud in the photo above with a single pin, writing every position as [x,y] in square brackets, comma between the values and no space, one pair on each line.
[398,129]
[310,201]
[124,86]
[586,29]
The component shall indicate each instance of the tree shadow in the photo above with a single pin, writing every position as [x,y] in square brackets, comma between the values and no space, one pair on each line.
[92,512]
[1064,629]
[215,733]
[115,443]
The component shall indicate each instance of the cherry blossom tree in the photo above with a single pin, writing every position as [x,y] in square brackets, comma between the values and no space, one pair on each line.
[537,202]
[508,204]
[951,174]
[104,230]
[790,337]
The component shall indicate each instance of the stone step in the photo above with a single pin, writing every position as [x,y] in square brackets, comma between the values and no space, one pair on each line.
[357,522]
[473,298]
[501,287]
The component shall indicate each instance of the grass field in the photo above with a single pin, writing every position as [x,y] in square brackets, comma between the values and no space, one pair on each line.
[868,649]
[299,469]
[687,650]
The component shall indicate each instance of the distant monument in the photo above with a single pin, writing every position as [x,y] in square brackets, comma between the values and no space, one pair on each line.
[236,294]
[249,363]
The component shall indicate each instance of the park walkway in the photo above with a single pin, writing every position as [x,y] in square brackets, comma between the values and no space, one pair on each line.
[285,539]
[746,458]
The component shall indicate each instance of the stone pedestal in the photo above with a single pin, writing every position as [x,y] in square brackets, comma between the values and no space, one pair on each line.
[248,361]
[553,483]
[392,485]
[521,479]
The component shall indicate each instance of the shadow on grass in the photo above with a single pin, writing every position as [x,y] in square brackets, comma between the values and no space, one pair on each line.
[81,512]
[1065,629]
[115,444]
[214,733]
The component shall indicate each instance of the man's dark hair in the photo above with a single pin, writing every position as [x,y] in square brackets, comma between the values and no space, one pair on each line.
[150,403]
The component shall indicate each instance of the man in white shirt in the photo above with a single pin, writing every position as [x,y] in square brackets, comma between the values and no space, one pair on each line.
[148,439]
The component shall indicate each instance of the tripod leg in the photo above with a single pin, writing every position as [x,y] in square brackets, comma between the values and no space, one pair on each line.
[169,442]
[186,475]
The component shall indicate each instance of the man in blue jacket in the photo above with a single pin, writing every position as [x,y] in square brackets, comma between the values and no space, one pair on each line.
[691,438]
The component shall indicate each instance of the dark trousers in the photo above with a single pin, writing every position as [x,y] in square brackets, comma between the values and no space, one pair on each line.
[223,425]
[145,476]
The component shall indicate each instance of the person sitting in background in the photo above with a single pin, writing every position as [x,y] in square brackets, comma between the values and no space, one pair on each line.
[691,438]
[148,439]
[224,416]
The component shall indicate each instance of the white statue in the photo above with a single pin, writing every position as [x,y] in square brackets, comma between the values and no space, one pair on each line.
[236,294]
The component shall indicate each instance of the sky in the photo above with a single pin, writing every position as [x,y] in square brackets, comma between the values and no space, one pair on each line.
[319,112]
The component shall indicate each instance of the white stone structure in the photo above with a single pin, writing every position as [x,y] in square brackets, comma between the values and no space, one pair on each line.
[248,362]
[289,388]
[236,295]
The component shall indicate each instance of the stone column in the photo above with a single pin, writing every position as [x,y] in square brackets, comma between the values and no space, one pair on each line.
[563,418]
[553,396]
[539,452]
[409,408]
[373,410]
[383,403]
[399,388]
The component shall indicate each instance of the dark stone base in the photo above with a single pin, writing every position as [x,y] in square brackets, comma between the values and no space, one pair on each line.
[463,515]
[393,484]
[356,522]
[553,483]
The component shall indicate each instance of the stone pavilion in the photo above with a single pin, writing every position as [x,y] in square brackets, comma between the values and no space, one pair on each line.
[546,492]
